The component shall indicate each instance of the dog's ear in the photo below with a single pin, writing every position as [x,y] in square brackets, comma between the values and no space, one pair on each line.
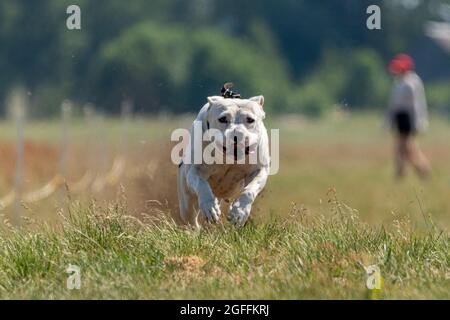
[258,99]
[214,99]
[211,101]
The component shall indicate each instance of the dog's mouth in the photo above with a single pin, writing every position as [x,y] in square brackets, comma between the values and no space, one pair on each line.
[235,151]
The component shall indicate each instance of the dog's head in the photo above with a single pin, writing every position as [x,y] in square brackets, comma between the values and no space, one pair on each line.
[239,123]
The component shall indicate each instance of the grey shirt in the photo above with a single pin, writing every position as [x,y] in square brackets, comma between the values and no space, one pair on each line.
[408,95]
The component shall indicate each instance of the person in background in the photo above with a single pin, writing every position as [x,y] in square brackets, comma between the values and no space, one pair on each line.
[407,115]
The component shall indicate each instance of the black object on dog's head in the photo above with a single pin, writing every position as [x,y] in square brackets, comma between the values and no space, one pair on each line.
[227,93]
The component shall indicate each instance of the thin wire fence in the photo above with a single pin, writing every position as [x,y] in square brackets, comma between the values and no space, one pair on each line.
[95,179]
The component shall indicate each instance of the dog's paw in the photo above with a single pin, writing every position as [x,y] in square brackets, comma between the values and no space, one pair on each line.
[238,215]
[211,210]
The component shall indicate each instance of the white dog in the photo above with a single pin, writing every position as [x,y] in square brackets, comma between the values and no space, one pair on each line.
[233,184]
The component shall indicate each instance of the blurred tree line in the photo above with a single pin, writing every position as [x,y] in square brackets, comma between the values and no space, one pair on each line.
[168,55]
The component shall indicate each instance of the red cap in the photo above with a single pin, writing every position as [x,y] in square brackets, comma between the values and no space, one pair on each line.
[401,64]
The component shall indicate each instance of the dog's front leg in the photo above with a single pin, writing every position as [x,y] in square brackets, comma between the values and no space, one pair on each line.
[207,202]
[240,209]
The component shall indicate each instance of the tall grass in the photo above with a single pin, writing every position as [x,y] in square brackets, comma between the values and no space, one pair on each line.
[300,256]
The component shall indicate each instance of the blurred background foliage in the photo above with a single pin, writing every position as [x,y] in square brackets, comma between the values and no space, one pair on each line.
[167,55]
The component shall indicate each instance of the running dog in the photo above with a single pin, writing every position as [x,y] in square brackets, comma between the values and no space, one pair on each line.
[232,185]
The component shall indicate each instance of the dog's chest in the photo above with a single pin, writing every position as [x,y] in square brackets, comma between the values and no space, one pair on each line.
[227,181]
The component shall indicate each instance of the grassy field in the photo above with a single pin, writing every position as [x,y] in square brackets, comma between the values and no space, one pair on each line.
[295,257]
[305,239]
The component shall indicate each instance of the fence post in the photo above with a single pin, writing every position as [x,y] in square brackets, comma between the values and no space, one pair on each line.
[66,111]
[98,152]
[101,146]
[89,114]
[20,123]
[127,109]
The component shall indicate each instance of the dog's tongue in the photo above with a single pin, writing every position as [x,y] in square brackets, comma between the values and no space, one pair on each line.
[251,149]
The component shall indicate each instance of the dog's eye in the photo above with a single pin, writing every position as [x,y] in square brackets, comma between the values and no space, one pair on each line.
[250,120]
[223,120]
